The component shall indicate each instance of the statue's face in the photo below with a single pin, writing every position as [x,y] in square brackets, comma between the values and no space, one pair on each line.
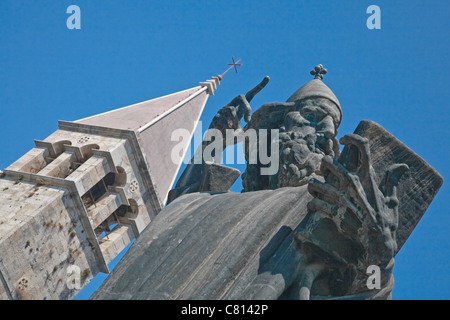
[321,114]
[308,133]
[316,121]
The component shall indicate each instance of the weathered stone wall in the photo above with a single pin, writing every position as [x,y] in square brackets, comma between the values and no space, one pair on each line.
[40,237]
[45,227]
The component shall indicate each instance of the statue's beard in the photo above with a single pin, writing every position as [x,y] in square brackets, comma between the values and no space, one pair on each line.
[300,158]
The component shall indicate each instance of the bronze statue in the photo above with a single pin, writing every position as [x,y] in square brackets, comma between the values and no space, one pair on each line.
[315,229]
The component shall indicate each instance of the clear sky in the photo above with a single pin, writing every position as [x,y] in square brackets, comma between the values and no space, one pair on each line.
[130,51]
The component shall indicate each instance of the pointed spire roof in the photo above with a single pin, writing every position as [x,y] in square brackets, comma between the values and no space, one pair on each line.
[154,121]
[140,115]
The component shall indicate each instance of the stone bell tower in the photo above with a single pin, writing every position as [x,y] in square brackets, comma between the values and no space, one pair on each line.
[79,197]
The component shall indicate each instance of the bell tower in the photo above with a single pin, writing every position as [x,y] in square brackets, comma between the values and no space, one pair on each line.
[79,197]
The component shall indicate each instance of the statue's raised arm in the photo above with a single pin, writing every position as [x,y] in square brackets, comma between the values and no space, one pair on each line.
[325,225]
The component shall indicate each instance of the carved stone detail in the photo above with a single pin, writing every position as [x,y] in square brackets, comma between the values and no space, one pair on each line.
[311,230]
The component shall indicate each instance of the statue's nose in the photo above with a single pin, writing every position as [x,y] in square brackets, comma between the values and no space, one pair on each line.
[326,127]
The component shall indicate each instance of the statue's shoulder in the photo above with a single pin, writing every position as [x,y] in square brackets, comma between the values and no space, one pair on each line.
[200,244]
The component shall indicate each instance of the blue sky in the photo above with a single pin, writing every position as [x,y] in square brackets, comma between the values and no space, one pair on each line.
[130,51]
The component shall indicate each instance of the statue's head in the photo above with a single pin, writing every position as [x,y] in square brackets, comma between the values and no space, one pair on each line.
[316,90]
[316,107]
[308,133]
[308,124]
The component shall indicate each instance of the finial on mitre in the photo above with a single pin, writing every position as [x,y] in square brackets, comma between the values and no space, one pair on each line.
[318,72]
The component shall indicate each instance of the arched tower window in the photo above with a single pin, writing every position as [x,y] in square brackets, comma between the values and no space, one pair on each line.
[101,188]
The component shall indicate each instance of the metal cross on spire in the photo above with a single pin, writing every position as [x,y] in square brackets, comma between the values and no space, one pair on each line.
[233,65]
[318,72]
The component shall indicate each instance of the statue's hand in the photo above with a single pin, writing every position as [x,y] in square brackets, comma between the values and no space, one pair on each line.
[350,189]
[229,117]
